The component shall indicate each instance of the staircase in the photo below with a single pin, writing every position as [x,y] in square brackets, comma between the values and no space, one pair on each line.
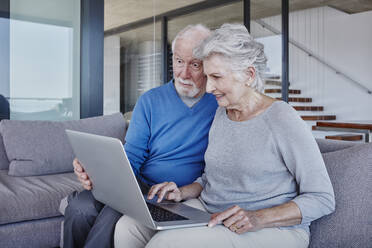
[307,111]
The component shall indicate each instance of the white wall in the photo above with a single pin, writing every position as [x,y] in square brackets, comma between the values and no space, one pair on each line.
[349,47]
[345,42]
[111,75]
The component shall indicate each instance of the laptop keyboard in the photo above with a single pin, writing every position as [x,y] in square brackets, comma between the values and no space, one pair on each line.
[160,214]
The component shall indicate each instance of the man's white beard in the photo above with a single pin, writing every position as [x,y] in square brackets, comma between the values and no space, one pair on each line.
[183,91]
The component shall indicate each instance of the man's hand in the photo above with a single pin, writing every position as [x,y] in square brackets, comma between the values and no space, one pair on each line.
[237,220]
[168,189]
[82,175]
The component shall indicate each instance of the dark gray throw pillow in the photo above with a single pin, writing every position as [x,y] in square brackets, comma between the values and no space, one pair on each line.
[41,147]
[350,171]
[4,162]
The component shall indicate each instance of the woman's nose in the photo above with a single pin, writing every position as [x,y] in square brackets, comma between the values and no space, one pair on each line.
[210,87]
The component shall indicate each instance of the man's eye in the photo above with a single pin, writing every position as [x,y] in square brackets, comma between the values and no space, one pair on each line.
[196,65]
[179,61]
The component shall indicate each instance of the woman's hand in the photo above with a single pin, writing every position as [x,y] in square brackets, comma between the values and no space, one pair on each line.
[237,220]
[168,189]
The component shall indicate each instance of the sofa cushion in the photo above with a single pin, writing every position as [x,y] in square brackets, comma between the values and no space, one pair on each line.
[42,147]
[32,234]
[30,198]
[350,171]
[4,162]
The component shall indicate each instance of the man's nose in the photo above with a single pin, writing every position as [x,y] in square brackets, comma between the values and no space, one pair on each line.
[185,73]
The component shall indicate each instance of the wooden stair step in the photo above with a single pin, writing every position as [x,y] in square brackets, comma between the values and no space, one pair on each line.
[308,108]
[280,91]
[274,82]
[348,137]
[318,117]
[297,99]
[273,77]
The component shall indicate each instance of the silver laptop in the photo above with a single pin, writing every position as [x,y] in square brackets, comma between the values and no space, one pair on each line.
[115,184]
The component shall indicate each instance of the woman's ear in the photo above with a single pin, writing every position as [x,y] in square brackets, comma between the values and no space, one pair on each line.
[251,74]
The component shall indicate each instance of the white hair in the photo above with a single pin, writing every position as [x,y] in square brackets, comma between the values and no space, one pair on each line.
[189,30]
[234,42]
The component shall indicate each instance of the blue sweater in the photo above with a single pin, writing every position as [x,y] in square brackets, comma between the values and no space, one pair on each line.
[166,140]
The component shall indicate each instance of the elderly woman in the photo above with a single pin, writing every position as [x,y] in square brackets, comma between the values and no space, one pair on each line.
[265,179]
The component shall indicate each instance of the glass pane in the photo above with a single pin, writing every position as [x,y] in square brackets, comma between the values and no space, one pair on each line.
[330,58]
[211,18]
[133,59]
[133,65]
[266,27]
[44,59]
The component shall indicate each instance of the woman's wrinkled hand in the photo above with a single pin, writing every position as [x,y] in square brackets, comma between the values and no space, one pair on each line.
[237,220]
[169,190]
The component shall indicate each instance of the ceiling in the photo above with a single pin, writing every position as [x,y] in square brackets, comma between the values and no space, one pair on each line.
[153,32]
[121,12]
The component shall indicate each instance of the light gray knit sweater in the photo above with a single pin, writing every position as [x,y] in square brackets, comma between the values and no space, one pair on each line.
[264,162]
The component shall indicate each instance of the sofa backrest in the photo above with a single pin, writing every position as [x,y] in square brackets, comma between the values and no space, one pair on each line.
[350,171]
[41,147]
[326,145]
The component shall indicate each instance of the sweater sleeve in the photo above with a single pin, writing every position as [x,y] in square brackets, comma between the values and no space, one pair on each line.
[301,155]
[201,180]
[138,135]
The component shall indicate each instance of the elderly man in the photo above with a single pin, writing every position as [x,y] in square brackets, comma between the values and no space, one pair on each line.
[166,141]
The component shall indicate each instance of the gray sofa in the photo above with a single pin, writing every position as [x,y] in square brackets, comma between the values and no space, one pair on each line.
[36,173]
[29,215]
[349,166]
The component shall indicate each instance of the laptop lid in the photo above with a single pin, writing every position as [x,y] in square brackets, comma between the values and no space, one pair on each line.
[106,163]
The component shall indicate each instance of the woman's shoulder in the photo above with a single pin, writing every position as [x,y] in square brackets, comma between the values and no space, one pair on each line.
[281,109]
[287,127]
[282,114]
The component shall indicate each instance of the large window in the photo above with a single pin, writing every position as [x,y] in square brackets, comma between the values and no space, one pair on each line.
[328,51]
[44,60]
